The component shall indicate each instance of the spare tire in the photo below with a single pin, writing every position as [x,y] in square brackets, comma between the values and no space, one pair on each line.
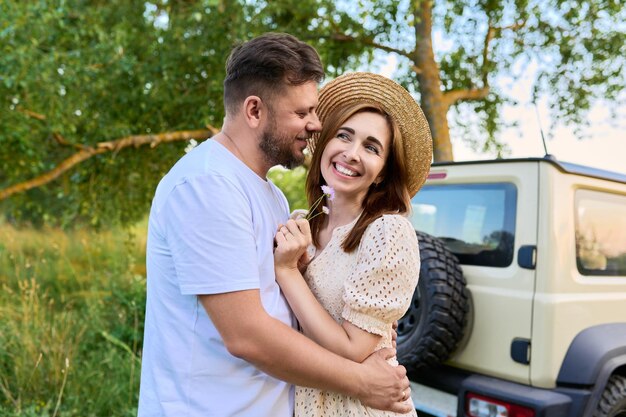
[435,322]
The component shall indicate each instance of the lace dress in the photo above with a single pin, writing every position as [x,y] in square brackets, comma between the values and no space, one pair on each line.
[371,288]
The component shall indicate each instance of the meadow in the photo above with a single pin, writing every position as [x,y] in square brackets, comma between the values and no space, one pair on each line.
[71,321]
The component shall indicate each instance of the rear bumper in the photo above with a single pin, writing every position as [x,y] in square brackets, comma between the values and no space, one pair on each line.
[559,402]
[545,403]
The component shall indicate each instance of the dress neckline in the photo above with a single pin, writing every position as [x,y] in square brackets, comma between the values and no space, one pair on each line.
[333,236]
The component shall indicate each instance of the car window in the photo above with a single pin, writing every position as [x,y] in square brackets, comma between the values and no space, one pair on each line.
[600,233]
[476,222]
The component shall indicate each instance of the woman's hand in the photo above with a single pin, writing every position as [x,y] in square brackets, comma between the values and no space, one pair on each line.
[292,240]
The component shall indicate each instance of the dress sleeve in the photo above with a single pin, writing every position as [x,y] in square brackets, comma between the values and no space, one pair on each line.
[380,288]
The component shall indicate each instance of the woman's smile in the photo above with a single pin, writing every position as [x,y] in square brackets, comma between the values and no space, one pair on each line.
[345,170]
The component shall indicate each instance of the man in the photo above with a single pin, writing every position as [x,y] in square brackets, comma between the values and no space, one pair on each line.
[218,335]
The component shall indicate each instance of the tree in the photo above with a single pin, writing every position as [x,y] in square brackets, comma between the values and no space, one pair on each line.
[578,47]
[87,85]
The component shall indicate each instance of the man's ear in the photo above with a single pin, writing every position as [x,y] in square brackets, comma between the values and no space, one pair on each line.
[254,111]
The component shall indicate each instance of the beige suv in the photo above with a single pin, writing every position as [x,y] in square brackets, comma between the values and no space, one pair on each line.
[520,309]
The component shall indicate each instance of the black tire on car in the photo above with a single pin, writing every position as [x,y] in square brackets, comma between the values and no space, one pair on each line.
[613,400]
[435,322]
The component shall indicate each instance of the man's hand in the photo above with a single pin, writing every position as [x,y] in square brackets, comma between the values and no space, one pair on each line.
[385,387]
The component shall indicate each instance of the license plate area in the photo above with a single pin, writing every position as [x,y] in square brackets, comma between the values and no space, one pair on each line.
[432,401]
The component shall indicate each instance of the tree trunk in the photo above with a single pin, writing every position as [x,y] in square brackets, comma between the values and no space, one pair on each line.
[433,103]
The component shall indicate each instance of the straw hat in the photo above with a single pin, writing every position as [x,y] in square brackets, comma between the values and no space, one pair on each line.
[365,87]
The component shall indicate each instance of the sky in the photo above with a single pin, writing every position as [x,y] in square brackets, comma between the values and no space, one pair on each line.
[605,148]
[604,145]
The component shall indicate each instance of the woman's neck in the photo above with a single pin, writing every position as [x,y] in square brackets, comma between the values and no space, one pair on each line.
[342,211]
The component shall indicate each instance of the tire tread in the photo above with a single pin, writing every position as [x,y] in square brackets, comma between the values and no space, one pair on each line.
[447,299]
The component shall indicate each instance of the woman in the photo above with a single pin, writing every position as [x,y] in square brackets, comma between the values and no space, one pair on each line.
[374,151]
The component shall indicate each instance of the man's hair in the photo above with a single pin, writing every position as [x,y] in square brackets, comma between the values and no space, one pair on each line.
[263,66]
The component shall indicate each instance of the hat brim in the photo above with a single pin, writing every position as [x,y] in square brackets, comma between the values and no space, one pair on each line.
[395,100]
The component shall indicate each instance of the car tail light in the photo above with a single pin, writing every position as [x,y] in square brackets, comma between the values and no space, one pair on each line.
[437,175]
[479,406]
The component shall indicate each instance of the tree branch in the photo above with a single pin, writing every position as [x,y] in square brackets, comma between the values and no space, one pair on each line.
[416,69]
[452,96]
[62,141]
[514,26]
[87,152]
[155,140]
[341,37]
[492,33]
[31,113]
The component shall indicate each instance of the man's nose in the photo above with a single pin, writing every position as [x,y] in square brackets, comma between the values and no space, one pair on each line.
[314,124]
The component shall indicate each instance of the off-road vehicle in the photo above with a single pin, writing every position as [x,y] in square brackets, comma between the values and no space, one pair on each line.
[520,309]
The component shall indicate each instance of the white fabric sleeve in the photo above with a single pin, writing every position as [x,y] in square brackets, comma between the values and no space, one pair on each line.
[209,230]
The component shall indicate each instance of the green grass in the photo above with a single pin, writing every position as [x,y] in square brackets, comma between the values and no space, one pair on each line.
[71,321]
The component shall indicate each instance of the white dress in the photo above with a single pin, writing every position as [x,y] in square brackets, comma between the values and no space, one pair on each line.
[371,288]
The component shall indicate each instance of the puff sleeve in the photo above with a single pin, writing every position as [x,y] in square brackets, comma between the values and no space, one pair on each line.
[379,289]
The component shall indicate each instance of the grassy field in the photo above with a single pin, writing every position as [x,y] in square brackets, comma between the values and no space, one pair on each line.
[71,321]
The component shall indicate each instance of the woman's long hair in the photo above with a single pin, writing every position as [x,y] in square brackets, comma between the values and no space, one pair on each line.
[390,196]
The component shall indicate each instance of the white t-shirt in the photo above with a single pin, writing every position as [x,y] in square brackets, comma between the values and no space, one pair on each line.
[211,231]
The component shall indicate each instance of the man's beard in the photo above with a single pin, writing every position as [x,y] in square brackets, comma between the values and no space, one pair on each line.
[278,147]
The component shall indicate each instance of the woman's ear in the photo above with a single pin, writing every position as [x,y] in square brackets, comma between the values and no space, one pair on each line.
[254,111]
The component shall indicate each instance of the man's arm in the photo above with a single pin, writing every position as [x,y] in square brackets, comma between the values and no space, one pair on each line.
[275,348]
